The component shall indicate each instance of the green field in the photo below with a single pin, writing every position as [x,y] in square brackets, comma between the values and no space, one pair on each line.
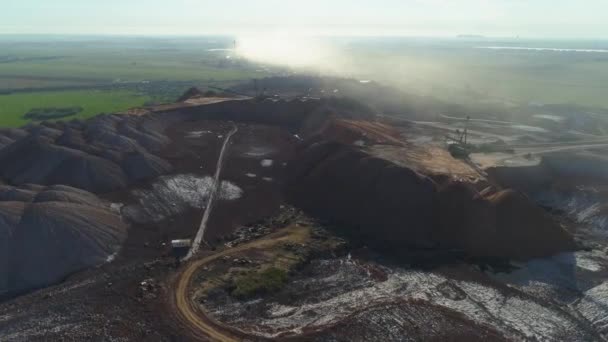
[93,102]
[117,73]
[461,71]
[161,69]
[61,61]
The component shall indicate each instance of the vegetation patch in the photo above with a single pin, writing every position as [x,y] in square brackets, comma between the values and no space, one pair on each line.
[51,113]
[262,265]
[259,282]
[14,107]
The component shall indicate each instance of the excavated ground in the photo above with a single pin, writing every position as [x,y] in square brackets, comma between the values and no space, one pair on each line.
[364,295]
[131,289]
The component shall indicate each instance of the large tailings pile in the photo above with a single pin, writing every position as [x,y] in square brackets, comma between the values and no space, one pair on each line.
[506,224]
[103,154]
[381,201]
[110,152]
[393,206]
[49,233]
[569,182]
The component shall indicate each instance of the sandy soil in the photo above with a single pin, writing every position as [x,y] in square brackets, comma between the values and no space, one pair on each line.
[427,159]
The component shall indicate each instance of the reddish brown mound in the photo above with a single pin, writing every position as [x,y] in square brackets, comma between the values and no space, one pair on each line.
[522,178]
[368,132]
[381,201]
[506,224]
[394,206]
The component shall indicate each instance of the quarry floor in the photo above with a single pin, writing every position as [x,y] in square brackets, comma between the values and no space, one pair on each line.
[254,173]
[348,295]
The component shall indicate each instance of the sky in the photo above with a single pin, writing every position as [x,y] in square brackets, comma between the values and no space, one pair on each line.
[508,18]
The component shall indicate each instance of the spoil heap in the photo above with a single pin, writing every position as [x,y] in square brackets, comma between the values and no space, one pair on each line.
[100,155]
[49,233]
[393,206]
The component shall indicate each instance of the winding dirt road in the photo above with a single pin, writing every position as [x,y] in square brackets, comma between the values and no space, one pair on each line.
[190,314]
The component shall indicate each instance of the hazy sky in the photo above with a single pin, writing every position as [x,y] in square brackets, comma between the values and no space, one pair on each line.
[527,18]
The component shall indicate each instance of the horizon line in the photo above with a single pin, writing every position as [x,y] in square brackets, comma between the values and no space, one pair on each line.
[463,36]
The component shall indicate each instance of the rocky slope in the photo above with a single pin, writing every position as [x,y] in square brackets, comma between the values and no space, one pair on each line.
[571,183]
[394,206]
[100,155]
[50,232]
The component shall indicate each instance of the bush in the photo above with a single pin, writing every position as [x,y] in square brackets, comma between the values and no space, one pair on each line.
[257,283]
[51,113]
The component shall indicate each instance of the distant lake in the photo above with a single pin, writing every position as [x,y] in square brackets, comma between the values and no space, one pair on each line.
[541,49]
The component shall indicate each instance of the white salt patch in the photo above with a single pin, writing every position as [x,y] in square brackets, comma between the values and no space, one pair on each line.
[111,257]
[594,306]
[529,128]
[197,134]
[267,162]
[116,207]
[359,143]
[268,179]
[422,140]
[251,175]
[256,151]
[584,262]
[278,310]
[229,191]
[349,289]
[549,117]
[173,195]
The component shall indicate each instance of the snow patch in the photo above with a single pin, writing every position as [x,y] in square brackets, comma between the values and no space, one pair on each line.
[554,118]
[172,195]
[336,288]
[111,257]
[267,162]
[197,134]
[257,151]
[594,307]
[116,207]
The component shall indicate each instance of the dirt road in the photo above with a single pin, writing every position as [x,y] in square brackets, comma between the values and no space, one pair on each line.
[200,235]
[188,312]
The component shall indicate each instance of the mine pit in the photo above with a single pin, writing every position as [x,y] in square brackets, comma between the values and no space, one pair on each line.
[328,222]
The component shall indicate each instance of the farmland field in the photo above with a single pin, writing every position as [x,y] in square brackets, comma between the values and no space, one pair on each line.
[13,107]
[98,60]
[160,69]
[102,74]
[463,70]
